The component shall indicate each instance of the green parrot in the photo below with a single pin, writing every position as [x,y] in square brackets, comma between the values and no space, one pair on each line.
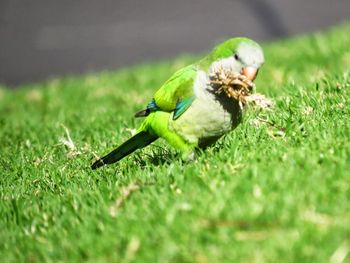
[185,111]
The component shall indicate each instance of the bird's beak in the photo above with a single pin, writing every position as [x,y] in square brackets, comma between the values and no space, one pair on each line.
[249,72]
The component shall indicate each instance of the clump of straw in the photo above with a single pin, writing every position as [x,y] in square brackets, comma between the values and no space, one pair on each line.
[234,85]
[239,88]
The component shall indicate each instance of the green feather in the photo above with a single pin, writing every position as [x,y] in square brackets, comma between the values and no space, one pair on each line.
[224,50]
[178,87]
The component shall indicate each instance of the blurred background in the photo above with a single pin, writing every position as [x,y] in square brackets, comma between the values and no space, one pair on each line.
[44,38]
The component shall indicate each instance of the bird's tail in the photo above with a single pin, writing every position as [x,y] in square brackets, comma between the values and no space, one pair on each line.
[138,141]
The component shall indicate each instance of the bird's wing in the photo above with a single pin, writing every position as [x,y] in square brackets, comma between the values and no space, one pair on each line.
[178,87]
[176,94]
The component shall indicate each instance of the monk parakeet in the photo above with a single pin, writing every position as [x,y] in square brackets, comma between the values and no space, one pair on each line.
[185,111]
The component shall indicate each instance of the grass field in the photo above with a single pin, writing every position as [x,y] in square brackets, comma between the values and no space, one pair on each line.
[277,189]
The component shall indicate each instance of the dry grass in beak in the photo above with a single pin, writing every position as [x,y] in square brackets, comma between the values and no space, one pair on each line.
[234,85]
[239,88]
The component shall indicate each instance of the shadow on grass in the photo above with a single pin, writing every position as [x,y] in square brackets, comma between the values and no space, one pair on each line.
[159,156]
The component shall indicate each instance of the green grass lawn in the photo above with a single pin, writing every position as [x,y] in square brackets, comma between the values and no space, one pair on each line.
[277,189]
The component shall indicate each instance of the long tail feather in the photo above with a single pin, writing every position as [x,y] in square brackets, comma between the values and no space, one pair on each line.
[138,141]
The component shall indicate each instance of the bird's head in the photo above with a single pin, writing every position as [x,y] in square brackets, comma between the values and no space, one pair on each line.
[239,55]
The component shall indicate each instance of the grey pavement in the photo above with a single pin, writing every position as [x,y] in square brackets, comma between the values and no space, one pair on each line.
[44,38]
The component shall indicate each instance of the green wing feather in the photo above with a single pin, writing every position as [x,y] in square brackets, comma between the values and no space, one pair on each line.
[179,87]
[176,94]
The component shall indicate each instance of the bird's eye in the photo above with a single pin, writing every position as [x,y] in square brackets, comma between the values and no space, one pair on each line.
[236,57]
